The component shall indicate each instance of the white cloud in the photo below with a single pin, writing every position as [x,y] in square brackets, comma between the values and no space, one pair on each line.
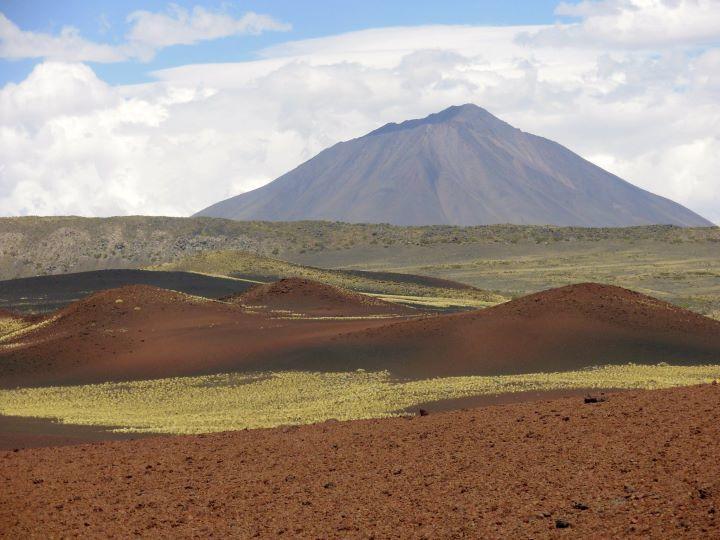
[67,45]
[203,133]
[149,32]
[180,26]
[633,23]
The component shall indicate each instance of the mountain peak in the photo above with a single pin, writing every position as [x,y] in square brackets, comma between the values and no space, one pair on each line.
[467,113]
[460,166]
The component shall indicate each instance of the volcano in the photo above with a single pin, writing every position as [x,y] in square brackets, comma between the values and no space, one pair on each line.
[461,166]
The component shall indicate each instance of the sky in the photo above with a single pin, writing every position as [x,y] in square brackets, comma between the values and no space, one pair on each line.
[119,108]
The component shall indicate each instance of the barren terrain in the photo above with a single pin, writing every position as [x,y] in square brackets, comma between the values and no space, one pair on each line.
[639,464]
[140,332]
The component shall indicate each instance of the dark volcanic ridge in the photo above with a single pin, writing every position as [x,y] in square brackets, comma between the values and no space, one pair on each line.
[641,464]
[462,166]
[43,294]
[305,296]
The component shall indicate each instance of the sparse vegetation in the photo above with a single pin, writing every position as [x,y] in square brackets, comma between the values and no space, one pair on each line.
[685,274]
[680,265]
[238,263]
[236,401]
[11,325]
[67,244]
[438,302]
[12,329]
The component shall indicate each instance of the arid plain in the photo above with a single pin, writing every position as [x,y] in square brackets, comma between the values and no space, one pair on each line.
[441,388]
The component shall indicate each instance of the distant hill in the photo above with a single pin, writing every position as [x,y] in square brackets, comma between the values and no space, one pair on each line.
[31,246]
[461,166]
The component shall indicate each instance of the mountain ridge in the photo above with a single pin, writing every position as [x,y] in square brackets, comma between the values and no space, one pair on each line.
[460,166]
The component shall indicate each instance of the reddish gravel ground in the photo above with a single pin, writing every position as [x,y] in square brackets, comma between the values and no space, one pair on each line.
[643,464]
[314,298]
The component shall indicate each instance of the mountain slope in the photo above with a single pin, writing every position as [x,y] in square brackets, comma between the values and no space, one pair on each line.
[462,166]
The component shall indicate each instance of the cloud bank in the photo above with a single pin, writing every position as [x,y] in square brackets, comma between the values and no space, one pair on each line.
[646,24]
[72,144]
[148,33]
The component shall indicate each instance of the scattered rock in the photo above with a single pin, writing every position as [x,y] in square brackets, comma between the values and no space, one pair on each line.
[595,399]
[423,412]
[561,524]
[580,506]
[544,514]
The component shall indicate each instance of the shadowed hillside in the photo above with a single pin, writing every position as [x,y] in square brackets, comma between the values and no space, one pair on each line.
[561,329]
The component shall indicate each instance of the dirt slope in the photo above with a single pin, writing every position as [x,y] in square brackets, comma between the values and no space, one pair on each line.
[305,296]
[140,332]
[642,464]
[566,328]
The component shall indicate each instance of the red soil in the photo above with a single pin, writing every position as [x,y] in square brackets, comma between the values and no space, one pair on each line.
[141,332]
[567,328]
[309,297]
[642,464]
[154,333]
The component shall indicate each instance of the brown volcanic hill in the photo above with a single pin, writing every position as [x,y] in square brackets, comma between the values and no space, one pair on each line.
[142,332]
[306,296]
[153,333]
[561,329]
[461,166]
[642,464]
[125,301]
[116,310]
[98,336]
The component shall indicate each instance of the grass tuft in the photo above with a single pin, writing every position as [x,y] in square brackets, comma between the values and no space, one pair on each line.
[236,401]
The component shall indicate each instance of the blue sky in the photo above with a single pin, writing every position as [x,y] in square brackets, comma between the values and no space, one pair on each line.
[105,22]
